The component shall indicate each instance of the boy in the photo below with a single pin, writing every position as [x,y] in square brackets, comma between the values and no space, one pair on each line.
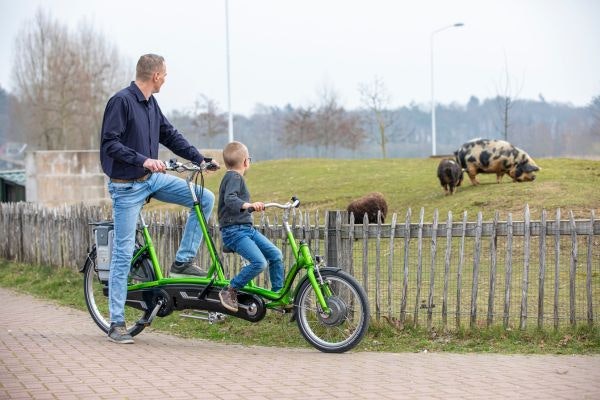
[237,229]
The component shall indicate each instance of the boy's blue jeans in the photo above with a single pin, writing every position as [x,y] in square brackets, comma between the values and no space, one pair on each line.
[258,250]
[128,199]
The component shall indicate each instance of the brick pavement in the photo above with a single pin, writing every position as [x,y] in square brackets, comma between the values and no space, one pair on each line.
[53,352]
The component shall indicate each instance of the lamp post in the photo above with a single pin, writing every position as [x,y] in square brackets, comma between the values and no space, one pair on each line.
[433,135]
[230,121]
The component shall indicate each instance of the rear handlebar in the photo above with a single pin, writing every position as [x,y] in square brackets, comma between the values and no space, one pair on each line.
[293,203]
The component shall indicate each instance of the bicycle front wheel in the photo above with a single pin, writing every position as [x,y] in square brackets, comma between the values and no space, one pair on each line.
[348,321]
[96,299]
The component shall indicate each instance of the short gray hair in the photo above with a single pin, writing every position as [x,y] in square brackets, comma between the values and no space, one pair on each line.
[147,65]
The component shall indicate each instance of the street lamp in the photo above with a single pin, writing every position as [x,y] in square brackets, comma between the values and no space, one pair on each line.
[230,124]
[433,137]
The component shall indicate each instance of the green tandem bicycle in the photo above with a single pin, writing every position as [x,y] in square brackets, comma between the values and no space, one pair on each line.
[329,306]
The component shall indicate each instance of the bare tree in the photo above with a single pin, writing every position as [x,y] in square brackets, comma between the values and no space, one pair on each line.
[208,118]
[324,127]
[375,97]
[334,126]
[595,108]
[63,81]
[508,90]
[299,127]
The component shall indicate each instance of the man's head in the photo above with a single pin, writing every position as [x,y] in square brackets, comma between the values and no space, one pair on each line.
[151,70]
[236,156]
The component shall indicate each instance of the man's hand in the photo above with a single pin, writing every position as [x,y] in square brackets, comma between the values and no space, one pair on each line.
[214,165]
[154,165]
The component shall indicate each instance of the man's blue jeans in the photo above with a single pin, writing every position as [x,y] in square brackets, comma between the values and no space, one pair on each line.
[258,250]
[128,199]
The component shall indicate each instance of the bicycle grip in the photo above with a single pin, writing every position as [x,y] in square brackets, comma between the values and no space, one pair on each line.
[211,166]
[250,209]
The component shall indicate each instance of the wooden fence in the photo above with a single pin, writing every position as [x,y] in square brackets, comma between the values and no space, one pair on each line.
[473,273]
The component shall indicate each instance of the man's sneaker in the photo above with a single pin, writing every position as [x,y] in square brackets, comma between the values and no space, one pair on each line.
[118,334]
[228,296]
[187,268]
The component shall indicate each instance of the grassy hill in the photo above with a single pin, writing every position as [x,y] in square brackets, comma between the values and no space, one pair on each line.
[326,184]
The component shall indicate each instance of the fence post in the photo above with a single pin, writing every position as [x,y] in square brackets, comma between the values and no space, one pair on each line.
[419,268]
[330,254]
[403,301]
[351,244]
[338,240]
[525,288]
[542,276]
[317,235]
[391,264]
[378,266]
[476,258]
[573,269]
[447,270]
[588,283]
[491,297]
[556,265]
[508,263]
[366,253]
[461,261]
[430,304]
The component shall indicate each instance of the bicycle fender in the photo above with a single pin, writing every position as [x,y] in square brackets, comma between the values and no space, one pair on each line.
[91,255]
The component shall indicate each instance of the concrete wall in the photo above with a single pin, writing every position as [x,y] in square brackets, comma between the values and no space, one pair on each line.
[74,176]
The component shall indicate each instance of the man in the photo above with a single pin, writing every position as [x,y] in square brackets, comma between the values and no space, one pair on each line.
[132,128]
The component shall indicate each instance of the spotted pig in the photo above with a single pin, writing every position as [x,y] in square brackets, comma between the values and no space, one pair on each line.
[495,156]
[450,175]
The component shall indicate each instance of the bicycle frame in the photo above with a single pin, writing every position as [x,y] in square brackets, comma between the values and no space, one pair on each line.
[215,276]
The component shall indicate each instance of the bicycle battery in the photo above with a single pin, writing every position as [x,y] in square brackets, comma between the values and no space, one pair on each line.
[104,243]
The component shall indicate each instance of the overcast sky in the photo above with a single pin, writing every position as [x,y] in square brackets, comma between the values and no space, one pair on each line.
[285,51]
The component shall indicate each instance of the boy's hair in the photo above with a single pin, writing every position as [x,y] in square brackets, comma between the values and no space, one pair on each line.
[147,65]
[234,154]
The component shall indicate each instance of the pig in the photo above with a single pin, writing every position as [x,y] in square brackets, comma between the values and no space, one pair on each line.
[495,156]
[368,204]
[450,175]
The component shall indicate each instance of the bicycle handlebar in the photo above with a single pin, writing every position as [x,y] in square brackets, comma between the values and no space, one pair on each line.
[174,165]
[293,203]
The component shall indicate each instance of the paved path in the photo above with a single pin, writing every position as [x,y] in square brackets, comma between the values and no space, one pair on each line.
[52,352]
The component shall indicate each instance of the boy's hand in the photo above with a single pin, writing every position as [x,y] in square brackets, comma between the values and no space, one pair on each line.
[256,206]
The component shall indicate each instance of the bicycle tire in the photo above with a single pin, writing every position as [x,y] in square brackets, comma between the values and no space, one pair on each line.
[348,322]
[96,299]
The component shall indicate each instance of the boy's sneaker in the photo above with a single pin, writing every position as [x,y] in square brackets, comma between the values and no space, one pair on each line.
[187,268]
[118,334]
[228,296]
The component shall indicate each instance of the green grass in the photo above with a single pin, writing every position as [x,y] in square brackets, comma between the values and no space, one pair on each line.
[324,184]
[64,287]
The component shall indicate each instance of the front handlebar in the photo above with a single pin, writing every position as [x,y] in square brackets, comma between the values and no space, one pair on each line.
[207,165]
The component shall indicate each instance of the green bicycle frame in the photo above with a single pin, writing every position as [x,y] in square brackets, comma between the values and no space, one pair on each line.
[215,275]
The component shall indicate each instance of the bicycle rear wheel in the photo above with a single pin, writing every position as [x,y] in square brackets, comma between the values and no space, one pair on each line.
[96,299]
[348,321]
